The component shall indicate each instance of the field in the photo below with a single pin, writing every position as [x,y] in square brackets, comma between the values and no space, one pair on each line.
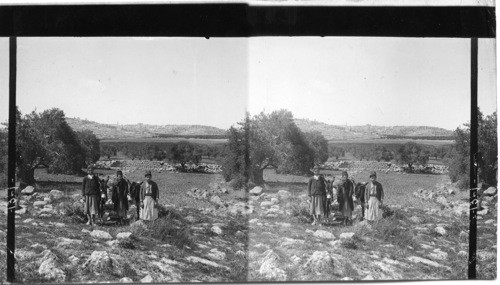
[165,140]
[393,141]
[231,236]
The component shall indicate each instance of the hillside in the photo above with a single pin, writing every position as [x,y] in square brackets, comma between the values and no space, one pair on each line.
[109,131]
[334,132]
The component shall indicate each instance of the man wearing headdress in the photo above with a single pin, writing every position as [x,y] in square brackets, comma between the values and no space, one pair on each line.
[317,196]
[374,198]
[344,197]
[91,192]
[119,196]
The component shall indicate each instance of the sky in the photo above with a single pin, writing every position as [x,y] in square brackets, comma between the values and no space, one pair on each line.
[335,80]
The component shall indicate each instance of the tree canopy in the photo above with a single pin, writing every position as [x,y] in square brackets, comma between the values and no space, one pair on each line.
[411,153]
[459,162]
[184,152]
[45,139]
[271,140]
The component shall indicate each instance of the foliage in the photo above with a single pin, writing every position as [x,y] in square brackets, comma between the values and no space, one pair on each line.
[269,140]
[3,157]
[336,151]
[411,153]
[459,161]
[46,139]
[108,150]
[184,152]
[90,142]
[319,145]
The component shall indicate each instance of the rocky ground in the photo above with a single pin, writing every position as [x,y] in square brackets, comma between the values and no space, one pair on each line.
[408,244]
[183,245]
[265,236]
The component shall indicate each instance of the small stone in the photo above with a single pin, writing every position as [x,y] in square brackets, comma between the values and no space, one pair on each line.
[29,190]
[440,231]
[124,235]
[56,194]
[324,234]
[491,191]
[126,280]
[346,235]
[216,230]
[368,277]
[257,190]
[462,253]
[100,234]
[39,203]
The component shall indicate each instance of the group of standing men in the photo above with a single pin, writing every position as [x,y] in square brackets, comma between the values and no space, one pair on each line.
[321,196]
[95,191]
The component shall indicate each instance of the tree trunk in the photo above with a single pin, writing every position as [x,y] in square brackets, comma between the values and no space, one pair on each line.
[27,175]
[257,176]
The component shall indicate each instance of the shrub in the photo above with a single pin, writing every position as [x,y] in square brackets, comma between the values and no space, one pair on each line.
[165,229]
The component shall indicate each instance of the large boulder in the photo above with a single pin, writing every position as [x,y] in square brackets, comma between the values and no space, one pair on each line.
[440,231]
[322,262]
[257,190]
[270,267]
[49,267]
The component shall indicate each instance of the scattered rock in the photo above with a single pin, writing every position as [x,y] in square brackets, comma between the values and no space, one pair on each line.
[21,255]
[99,261]
[56,194]
[416,259]
[124,235]
[29,190]
[451,191]
[290,242]
[442,200]
[346,235]
[216,229]
[270,267]
[126,280]
[438,254]
[368,277]
[100,234]
[491,191]
[195,259]
[147,279]
[266,204]
[324,234]
[85,231]
[440,231]
[483,212]
[138,226]
[39,203]
[74,260]
[62,242]
[416,220]
[215,254]
[257,190]
[462,254]
[49,267]
[322,261]
[486,255]
[283,194]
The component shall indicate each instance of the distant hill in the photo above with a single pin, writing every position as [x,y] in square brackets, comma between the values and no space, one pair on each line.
[108,131]
[334,132]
